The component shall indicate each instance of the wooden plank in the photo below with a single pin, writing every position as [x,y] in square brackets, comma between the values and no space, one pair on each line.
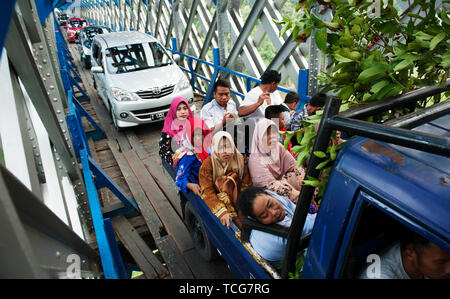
[147,210]
[163,181]
[174,260]
[172,222]
[166,246]
[101,145]
[105,198]
[137,221]
[138,249]
[113,171]
[136,144]
[105,155]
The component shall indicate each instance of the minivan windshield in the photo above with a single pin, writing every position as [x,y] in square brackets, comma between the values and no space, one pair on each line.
[77,23]
[90,32]
[130,58]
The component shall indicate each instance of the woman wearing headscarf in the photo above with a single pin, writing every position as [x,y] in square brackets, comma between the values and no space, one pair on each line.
[271,166]
[174,124]
[196,145]
[222,176]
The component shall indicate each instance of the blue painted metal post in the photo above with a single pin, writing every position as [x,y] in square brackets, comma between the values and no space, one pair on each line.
[79,140]
[174,44]
[104,245]
[191,69]
[5,16]
[249,84]
[303,88]
[214,76]
[118,263]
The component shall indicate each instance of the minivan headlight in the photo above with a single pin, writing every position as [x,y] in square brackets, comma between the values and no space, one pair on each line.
[122,95]
[182,85]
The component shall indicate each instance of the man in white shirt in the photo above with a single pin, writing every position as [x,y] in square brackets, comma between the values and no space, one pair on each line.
[413,257]
[220,109]
[257,99]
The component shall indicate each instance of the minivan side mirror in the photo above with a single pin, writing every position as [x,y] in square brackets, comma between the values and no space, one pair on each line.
[176,57]
[97,69]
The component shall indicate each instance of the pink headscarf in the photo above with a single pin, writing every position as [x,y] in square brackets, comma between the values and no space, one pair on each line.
[172,125]
[268,164]
[187,141]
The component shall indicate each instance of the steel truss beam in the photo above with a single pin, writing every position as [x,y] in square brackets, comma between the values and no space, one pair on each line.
[202,31]
[35,242]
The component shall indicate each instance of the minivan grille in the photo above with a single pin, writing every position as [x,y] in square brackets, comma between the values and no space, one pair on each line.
[150,110]
[156,93]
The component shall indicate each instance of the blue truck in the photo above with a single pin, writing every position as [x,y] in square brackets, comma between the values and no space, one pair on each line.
[387,178]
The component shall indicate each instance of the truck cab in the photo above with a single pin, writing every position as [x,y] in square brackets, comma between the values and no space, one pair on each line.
[375,192]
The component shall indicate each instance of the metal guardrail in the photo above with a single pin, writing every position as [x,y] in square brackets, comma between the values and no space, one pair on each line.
[302,77]
[94,177]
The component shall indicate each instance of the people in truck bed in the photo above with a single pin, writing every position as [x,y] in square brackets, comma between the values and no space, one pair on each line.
[258,98]
[316,103]
[290,102]
[221,109]
[179,113]
[196,144]
[267,207]
[222,177]
[271,166]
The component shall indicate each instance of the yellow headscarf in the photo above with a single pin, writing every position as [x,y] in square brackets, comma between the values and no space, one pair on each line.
[221,168]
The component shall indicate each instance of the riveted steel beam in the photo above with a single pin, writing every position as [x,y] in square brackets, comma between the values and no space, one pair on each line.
[19,51]
[245,32]
[188,27]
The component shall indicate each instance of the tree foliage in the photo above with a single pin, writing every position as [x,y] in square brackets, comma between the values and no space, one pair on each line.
[374,52]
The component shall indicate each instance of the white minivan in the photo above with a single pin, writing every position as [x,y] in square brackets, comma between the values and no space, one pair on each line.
[136,78]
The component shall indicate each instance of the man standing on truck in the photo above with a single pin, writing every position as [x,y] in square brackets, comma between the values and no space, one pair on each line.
[257,99]
[414,257]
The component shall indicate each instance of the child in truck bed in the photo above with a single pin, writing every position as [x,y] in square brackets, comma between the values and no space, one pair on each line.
[196,143]
[176,119]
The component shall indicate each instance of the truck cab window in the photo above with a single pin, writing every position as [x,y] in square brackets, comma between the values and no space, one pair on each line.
[379,245]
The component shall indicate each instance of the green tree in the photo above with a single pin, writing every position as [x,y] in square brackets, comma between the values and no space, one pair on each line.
[372,57]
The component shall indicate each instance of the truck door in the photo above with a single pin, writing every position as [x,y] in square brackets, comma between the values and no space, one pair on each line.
[373,228]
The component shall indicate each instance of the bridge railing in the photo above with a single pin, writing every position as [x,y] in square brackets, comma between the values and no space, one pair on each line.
[94,176]
[302,90]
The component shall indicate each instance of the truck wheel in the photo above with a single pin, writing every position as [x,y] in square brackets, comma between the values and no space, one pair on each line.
[198,233]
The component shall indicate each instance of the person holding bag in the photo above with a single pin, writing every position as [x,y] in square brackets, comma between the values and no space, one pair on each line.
[222,177]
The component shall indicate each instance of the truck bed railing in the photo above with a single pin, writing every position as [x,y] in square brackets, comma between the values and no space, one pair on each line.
[395,132]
